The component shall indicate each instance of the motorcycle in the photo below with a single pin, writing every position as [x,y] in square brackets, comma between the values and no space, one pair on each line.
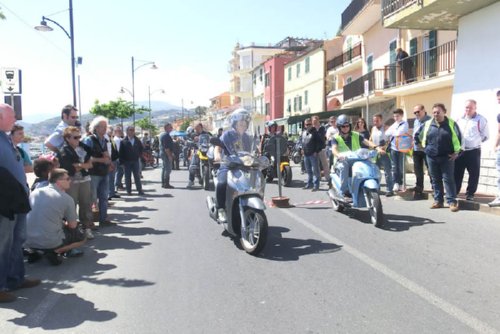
[245,206]
[363,185]
[149,160]
[270,150]
[296,152]
[204,169]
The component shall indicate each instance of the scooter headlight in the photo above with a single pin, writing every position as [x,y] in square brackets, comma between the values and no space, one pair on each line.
[247,160]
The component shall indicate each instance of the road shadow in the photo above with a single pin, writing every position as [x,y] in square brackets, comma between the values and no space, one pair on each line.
[279,248]
[392,222]
[136,209]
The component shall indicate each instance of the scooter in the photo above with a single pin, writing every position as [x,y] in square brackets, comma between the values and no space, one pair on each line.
[245,217]
[363,185]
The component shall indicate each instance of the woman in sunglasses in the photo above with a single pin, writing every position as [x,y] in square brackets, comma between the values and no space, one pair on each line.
[74,156]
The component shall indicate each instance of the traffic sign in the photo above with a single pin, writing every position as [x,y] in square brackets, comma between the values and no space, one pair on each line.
[11,80]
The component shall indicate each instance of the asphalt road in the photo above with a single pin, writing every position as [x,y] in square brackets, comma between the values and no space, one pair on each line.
[167,268]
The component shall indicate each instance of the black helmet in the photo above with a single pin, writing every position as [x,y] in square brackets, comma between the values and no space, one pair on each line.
[343,120]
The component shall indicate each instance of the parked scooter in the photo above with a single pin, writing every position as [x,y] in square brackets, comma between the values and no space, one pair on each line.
[363,185]
[245,217]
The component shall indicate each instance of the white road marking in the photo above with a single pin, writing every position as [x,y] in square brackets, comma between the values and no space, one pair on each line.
[419,290]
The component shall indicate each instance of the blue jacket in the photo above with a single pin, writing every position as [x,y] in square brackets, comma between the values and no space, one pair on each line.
[439,141]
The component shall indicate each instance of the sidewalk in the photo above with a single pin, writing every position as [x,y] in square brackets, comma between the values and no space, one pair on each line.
[480,202]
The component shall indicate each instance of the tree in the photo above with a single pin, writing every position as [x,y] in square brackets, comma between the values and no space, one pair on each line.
[116,109]
[146,124]
[200,111]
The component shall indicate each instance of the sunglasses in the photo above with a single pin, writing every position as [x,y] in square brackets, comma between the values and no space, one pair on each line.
[308,124]
[416,112]
[345,126]
[77,137]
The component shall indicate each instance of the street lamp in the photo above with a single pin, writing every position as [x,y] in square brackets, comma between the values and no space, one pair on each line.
[145,63]
[71,35]
[161,90]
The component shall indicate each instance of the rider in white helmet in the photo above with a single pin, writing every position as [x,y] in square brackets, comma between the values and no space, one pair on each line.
[234,140]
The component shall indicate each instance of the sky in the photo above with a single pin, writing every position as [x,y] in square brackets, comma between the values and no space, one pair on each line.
[190,41]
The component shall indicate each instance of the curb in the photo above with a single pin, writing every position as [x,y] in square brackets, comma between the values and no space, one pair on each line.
[463,204]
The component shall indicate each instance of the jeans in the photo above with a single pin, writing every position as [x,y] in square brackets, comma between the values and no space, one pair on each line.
[166,169]
[12,238]
[132,167]
[498,172]
[397,159]
[111,181]
[384,161]
[82,195]
[119,175]
[312,168]
[470,160]
[100,187]
[442,170]
[194,167]
[220,191]
[418,167]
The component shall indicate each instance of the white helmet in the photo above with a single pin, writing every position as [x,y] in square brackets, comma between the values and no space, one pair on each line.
[189,130]
[240,114]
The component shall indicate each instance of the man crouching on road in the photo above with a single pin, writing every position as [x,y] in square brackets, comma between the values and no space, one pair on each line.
[52,224]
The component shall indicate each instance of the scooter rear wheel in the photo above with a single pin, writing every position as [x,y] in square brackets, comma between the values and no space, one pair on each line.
[255,236]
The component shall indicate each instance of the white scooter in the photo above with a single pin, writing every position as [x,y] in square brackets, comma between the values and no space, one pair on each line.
[245,217]
[363,185]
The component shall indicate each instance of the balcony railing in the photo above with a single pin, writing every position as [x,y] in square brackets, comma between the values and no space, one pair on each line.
[356,88]
[352,10]
[430,63]
[390,7]
[345,58]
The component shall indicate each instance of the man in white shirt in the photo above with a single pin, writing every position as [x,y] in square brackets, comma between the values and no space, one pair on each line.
[379,138]
[474,129]
[69,116]
[398,128]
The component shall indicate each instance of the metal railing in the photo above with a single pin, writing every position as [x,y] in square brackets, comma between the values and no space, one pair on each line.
[345,57]
[430,63]
[390,7]
[356,88]
[352,10]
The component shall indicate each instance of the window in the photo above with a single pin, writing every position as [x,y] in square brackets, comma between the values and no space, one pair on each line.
[369,63]
[254,78]
[268,109]
[267,79]
[298,70]
[299,103]
[306,97]
[260,75]
[307,61]
[289,106]
[348,80]
[289,73]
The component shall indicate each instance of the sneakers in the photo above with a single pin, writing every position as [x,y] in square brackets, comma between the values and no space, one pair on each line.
[314,189]
[454,207]
[389,194]
[88,234]
[307,187]
[190,184]
[495,202]
[6,297]
[437,205]
[469,197]
[396,187]
[221,215]
[418,196]
[75,252]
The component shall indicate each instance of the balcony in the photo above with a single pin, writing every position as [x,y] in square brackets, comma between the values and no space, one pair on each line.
[428,14]
[436,64]
[359,16]
[356,88]
[346,61]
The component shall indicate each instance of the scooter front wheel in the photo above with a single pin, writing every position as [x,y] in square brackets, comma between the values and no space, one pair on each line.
[376,212]
[287,175]
[254,236]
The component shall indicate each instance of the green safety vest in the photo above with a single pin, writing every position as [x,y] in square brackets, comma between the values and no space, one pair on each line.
[341,145]
[454,138]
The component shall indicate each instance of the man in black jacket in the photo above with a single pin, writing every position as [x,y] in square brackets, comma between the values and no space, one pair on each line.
[311,145]
[130,151]
[14,192]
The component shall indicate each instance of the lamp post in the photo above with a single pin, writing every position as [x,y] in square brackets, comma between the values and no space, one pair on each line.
[145,63]
[71,35]
[161,90]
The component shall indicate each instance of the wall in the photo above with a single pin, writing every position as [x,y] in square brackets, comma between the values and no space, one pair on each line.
[376,40]
[477,77]
[428,99]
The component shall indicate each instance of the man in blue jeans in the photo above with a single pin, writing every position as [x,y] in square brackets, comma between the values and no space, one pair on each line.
[130,152]
[13,208]
[441,139]
[312,144]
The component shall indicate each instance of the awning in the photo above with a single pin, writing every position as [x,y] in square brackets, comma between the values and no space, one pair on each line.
[325,114]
